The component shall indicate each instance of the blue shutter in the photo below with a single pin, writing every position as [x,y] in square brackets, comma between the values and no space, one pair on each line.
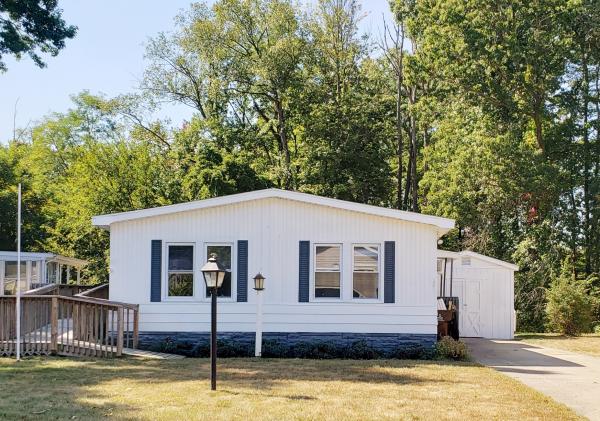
[389,272]
[155,270]
[304,271]
[242,271]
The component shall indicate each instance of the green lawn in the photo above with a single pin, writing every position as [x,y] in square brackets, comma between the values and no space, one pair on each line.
[250,389]
[585,344]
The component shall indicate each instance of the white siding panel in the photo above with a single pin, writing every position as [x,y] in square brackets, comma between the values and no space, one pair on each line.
[273,228]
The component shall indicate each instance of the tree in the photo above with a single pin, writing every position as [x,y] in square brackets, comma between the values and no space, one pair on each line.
[32,27]
[237,63]
[392,45]
[343,109]
[569,306]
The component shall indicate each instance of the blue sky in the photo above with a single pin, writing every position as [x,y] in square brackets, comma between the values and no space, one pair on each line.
[105,57]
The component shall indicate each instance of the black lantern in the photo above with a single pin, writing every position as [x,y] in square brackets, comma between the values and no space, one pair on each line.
[259,282]
[213,274]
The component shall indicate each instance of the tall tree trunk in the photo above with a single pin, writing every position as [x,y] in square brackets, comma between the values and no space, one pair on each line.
[537,114]
[413,168]
[399,138]
[595,228]
[574,229]
[408,183]
[283,145]
[586,165]
[395,57]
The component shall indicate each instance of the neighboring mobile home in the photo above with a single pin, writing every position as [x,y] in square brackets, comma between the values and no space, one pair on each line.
[335,270]
[37,270]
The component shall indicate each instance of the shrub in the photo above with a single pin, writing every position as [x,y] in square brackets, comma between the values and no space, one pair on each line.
[226,348]
[448,348]
[232,349]
[167,345]
[318,350]
[361,350]
[275,349]
[412,352]
[569,307]
[200,350]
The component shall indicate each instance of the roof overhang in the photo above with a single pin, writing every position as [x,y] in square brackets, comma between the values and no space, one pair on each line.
[48,257]
[467,253]
[443,225]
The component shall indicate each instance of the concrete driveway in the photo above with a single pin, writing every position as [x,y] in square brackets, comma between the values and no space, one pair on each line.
[570,378]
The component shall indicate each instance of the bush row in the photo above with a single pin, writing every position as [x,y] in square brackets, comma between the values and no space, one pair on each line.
[358,350]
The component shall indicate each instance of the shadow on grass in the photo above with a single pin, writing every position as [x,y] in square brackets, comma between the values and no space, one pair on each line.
[62,388]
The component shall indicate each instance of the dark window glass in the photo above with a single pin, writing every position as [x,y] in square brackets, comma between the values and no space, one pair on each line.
[181,271]
[224,257]
[181,258]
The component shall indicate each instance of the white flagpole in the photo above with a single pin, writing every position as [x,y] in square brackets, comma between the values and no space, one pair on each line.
[18,305]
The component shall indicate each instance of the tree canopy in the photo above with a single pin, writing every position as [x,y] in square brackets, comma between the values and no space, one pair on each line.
[32,27]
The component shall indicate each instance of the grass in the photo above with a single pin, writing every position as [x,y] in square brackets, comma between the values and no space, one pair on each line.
[585,344]
[282,389]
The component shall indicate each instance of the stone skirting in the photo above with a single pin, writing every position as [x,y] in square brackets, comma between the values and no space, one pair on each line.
[384,342]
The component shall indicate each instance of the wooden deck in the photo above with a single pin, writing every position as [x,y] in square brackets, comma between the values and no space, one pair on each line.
[76,325]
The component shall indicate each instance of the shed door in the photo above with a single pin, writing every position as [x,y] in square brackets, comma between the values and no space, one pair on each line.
[469,315]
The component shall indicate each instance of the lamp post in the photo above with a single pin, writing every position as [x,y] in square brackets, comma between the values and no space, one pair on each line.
[259,286]
[213,274]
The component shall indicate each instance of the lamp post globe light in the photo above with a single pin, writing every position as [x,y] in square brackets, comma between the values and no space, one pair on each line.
[259,286]
[213,273]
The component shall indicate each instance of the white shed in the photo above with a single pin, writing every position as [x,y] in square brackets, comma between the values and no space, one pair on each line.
[485,290]
[335,269]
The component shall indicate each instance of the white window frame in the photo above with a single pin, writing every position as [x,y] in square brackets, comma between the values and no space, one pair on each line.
[205,256]
[379,298]
[165,283]
[313,280]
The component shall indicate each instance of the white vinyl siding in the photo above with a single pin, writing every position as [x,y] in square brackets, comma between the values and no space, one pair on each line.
[273,228]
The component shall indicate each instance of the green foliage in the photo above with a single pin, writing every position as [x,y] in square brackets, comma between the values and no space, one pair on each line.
[30,27]
[361,350]
[481,111]
[569,307]
[451,349]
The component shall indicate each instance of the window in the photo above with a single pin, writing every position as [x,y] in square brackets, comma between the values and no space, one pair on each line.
[327,271]
[10,277]
[180,271]
[223,252]
[52,273]
[35,275]
[365,271]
